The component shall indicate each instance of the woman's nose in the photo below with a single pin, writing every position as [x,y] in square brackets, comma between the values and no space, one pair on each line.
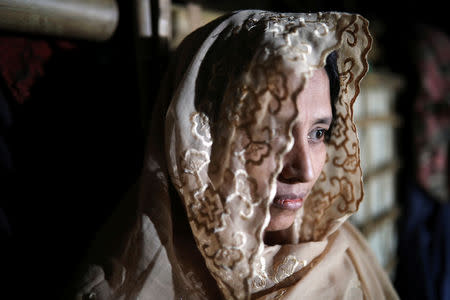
[298,164]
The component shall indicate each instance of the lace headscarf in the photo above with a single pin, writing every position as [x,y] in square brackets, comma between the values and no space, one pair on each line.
[220,130]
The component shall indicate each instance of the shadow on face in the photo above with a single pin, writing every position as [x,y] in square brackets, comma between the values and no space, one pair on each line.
[304,163]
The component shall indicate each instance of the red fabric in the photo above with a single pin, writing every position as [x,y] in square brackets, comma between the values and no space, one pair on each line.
[22,62]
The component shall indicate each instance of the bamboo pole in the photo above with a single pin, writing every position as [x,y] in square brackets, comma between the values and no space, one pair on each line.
[144,18]
[376,222]
[80,19]
[389,119]
[389,167]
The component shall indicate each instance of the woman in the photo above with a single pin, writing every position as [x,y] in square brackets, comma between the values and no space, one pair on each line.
[252,170]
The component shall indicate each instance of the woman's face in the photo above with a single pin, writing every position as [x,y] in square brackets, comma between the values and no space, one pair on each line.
[304,163]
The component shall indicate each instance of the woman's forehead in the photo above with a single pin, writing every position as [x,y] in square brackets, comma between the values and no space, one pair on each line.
[310,93]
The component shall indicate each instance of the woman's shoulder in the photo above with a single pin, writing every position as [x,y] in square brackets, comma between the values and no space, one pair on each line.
[372,276]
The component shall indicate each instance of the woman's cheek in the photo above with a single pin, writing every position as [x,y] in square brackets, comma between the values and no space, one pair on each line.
[320,155]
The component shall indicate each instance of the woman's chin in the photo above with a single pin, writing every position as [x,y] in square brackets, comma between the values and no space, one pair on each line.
[280,219]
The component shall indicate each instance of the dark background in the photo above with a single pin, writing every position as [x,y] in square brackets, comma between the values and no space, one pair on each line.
[75,145]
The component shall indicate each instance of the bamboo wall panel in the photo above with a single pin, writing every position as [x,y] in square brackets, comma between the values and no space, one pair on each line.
[376,122]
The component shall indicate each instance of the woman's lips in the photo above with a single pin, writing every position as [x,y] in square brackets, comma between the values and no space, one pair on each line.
[289,201]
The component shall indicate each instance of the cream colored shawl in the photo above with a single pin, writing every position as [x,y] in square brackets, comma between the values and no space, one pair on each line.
[218,136]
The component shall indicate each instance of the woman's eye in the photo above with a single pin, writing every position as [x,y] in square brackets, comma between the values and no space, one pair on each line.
[317,135]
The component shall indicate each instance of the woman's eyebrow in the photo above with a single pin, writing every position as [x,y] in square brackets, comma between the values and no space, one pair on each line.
[326,120]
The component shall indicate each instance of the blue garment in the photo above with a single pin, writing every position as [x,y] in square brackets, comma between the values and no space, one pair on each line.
[423,271]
